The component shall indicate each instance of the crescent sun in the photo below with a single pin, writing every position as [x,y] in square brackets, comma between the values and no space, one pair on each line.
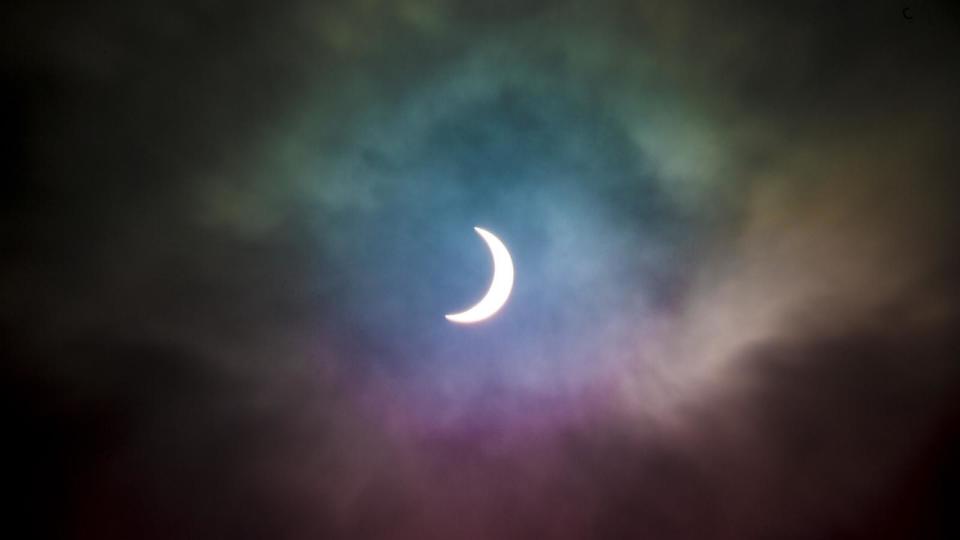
[500,286]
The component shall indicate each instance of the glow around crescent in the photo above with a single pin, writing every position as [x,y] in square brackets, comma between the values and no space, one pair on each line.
[500,286]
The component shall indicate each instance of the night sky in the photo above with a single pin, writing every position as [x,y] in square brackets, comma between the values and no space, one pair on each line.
[230,232]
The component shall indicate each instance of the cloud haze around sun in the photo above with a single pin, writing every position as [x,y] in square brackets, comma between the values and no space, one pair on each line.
[239,229]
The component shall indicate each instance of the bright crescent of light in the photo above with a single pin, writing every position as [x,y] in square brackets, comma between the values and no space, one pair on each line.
[500,286]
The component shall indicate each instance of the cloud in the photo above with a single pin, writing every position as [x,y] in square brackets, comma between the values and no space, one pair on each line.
[235,231]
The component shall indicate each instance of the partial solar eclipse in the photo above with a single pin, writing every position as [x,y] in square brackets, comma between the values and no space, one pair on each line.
[500,286]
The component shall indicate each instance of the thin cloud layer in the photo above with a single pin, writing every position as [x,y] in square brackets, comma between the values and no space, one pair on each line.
[233,231]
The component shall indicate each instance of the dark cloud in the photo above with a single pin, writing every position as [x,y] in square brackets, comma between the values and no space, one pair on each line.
[231,230]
